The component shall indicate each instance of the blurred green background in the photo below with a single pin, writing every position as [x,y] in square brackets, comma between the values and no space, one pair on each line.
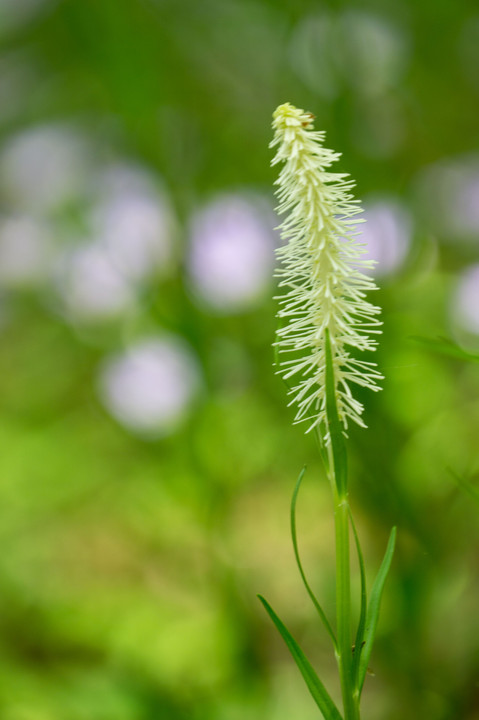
[147,456]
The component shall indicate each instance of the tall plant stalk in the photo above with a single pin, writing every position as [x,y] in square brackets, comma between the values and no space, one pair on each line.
[343,606]
[326,317]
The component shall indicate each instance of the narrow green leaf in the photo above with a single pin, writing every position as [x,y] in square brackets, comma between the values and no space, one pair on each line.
[320,695]
[314,600]
[444,346]
[335,428]
[358,648]
[373,609]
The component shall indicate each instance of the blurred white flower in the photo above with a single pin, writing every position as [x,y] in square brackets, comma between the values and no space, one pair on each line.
[43,167]
[312,53]
[25,251]
[448,193]
[150,387]
[16,12]
[374,51]
[386,235]
[465,303]
[133,218]
[19,76]
[367,51]
[379,126]
[231,252]
[90,285]
[468,49]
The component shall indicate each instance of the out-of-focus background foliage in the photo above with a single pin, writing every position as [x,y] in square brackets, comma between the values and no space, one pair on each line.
[147,456]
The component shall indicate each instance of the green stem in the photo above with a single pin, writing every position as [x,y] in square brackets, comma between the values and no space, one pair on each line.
[343,604]
[338,470]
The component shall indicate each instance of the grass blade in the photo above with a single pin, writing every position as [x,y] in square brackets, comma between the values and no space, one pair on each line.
[358,648]
[314,600]
[320,695]
[335,428]
[373,609]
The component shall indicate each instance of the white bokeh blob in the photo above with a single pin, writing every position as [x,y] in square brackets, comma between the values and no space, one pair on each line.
[150,387]
[90,285]
[132,217]
[231,256]
[43,167]
[386,234]
[26,251]
[465,301]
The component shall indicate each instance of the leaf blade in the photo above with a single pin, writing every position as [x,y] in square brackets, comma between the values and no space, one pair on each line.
[373,609]
[294,537]
[363,606]
[316,688]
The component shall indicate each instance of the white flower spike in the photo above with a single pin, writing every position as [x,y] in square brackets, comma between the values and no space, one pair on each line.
[321,267]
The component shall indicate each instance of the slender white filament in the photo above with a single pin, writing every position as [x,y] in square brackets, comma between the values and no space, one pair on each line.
[322,263]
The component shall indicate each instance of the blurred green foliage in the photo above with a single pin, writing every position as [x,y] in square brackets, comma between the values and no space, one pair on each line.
[130,566]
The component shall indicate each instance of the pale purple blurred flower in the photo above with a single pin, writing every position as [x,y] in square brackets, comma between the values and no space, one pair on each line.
[25,251]
[133,219]
[467,202]
[150,387]
[90,285]
[386,234]
[231,252]
[43,167]
[465,304]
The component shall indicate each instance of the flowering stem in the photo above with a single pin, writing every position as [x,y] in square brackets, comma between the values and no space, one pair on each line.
[324,319]
[322,264]
[337,463]
[343,606]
